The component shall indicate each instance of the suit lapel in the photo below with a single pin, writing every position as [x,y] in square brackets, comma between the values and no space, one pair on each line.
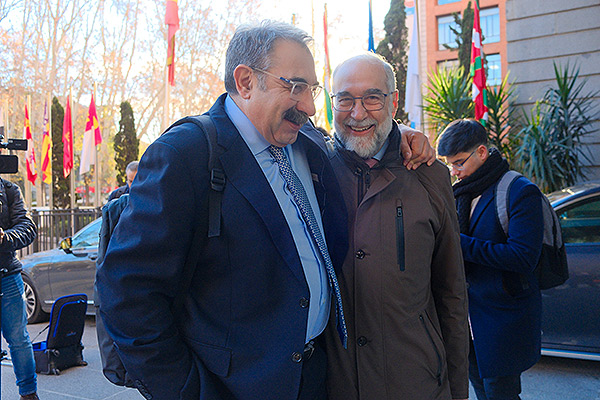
[244,173]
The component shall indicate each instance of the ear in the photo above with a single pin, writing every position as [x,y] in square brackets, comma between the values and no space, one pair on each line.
[483,152]
[394,102]
[242,75]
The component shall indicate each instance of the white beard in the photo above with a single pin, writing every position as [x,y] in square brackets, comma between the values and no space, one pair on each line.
[364,146]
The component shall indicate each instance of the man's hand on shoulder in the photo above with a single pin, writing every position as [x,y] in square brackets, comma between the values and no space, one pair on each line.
[415,148]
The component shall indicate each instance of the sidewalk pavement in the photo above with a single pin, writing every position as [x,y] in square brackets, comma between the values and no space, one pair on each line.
[77,383]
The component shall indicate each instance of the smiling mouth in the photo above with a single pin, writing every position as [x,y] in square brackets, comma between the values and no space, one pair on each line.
[360,129]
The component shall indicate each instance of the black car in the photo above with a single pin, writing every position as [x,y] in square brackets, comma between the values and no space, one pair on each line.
[571,312]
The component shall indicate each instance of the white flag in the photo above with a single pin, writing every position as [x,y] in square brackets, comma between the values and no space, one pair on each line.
[413,101]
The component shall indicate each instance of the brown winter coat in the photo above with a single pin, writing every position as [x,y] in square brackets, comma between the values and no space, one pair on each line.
[406,314]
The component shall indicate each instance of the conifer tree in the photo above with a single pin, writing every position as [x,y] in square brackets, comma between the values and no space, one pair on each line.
[464,37]
[393,48]
[60,184]
[126,143]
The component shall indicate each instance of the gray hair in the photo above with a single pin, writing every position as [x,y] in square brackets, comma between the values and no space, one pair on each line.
[390,76]
[132,166]
[252,45]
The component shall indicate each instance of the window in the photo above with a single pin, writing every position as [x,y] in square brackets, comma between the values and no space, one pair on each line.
[87,237]
[581,223]
[447,64]
[494,70]
[490,25]
[445,35]
[440,2]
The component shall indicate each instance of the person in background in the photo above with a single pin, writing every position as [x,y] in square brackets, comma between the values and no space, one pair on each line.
[17,231]
[403,284]
[505,303]
[130,172]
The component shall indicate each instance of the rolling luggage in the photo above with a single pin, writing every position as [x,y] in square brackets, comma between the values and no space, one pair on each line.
[62,349]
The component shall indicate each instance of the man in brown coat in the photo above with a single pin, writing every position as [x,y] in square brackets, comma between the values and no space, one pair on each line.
[402,281]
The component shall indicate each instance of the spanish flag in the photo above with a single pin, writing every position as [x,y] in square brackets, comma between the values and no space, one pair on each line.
[30,156]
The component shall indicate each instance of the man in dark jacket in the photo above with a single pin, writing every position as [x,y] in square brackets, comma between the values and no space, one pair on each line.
[504,296]
[130,173]
[17,230]
[402,281]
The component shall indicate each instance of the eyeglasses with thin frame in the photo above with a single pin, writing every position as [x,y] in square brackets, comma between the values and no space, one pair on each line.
[371,101]
[461,165]
[298,88]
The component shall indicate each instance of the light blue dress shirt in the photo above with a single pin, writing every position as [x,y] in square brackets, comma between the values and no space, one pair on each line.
[310,257]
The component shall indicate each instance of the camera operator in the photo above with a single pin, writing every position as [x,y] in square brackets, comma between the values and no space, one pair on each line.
[17,230]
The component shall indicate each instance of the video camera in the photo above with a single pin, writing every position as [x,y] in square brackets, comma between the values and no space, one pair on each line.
[9,164]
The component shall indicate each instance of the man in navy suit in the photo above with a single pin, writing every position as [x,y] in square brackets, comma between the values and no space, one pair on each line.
[504,295]
[250,326]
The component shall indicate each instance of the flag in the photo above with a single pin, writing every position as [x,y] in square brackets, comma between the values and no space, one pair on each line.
[327,76]
[171,19]
[67,140]
[91,138]
[30,155]
[477,71]
[412,99]
[46,149]
[371,39]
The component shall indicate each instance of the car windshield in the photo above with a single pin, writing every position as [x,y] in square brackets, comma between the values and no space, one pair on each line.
[88,236]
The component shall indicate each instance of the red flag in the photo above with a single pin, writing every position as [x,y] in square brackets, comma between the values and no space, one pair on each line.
[91,138]
[67,140]
[46,150]
[478,72]
[30,156]
[171,19]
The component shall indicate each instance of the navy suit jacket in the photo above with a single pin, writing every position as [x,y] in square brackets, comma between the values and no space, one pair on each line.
[245,314]
[504,296]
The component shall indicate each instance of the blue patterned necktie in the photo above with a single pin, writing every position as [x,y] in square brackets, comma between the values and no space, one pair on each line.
[301,199]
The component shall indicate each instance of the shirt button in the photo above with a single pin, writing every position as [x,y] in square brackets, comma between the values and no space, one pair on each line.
[360,254]
[296,357]
[361,341]
[304,302]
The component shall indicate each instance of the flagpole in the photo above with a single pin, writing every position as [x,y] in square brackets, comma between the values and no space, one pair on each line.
[51,185]
[72,168]
[97,161]
[28,196]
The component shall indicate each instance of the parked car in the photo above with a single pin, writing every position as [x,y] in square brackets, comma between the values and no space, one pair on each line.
[571,312]
[68,269]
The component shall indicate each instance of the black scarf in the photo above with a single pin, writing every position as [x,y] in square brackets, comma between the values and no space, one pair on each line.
[474,185]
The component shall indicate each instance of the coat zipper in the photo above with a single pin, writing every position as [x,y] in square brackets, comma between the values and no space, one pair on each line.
[439,358]
[400,237]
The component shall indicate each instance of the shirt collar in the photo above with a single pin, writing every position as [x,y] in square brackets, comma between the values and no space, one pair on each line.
[255,141]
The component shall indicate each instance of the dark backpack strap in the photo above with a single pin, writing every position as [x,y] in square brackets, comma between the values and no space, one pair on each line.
[217,175]
[217,184]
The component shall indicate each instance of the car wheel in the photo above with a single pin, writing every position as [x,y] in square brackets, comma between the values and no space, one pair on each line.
[32,301]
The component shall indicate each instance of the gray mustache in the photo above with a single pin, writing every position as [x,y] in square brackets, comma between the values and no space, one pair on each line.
[295,116]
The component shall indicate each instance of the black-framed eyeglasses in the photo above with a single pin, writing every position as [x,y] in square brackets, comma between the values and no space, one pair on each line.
[371,101]
[461,165]
[297,88]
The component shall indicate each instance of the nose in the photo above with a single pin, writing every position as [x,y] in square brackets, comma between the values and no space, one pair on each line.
[307,104]
[454,172]
[358,112]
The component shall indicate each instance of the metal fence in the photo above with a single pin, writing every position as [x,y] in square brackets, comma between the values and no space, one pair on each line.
[55,225]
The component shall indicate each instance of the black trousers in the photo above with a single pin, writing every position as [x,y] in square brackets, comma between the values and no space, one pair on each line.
[314,373]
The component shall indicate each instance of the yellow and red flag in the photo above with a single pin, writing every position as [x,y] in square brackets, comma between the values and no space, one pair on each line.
[478,72]
[67,140]
[171,19]
[46,149]
[92,137]
[30,155]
